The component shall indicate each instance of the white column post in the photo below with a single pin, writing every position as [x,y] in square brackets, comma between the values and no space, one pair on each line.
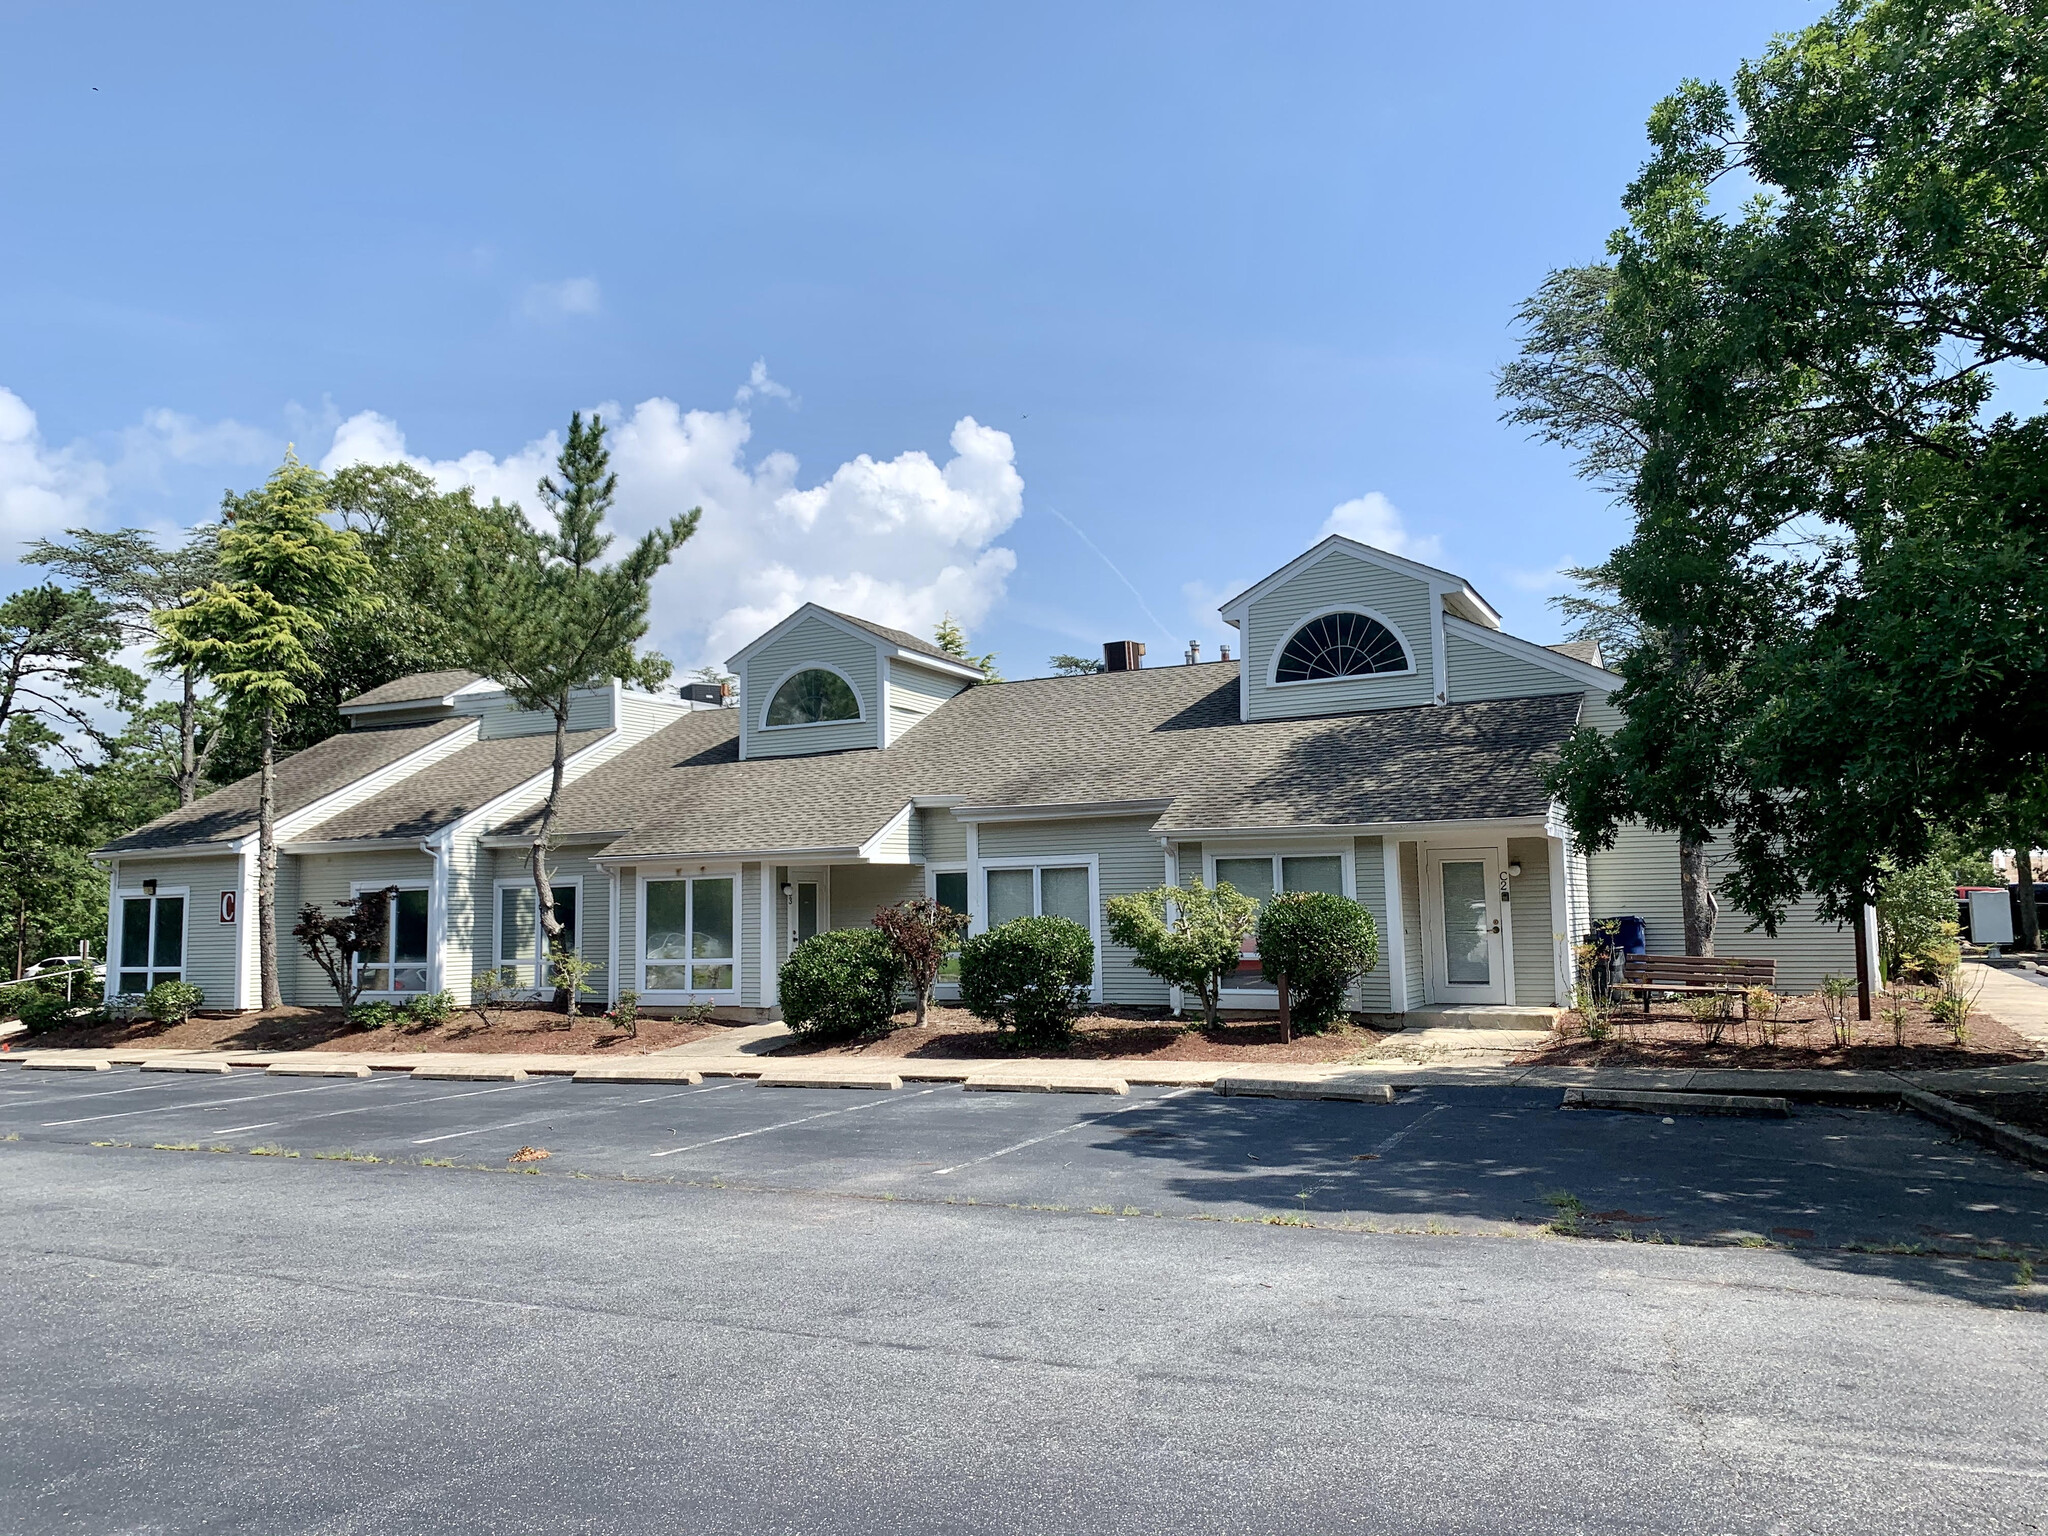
[1395,949]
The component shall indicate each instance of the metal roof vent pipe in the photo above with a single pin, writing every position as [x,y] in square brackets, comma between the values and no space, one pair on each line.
[1123,656]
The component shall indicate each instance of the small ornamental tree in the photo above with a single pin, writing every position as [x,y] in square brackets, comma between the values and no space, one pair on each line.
[841,982]
[923,933]
[1189,936]
[334,943]
[1321,944]
[1030,977]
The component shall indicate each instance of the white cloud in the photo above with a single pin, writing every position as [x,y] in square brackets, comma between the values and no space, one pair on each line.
[1372,519]
[166,438]
[1203,599]
[902,541]
[42,489]
[571,296]
[758,383]
[1550,579]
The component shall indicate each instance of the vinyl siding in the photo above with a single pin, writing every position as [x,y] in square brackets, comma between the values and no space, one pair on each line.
[1339,578]
[590,709]
[751,970]
[327,880]
[628,917]
[860,890]
[942,836]
[644,713]
[914,693]
[810,643]
[210,944]
[1375,992]
[477,949]
[1128,858]
[899,844]
[1476,671]
[1536,932]
[1411,920]
[1190,863]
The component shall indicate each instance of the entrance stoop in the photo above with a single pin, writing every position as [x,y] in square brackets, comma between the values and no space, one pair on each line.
[1482,1016]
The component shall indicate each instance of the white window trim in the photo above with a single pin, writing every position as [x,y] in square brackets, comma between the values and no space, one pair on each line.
[768,702]
[1346,852]
[671,997]
[150,970]
[1273,663]
[559,882]
[1035,863]
[356,888]
[949,990]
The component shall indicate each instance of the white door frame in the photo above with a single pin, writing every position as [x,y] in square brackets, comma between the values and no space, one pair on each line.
[1437,986]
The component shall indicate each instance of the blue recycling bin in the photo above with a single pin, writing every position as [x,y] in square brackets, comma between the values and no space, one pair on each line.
[1628,933]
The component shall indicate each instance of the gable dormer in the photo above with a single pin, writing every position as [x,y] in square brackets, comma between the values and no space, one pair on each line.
[825,681]
[1346,627]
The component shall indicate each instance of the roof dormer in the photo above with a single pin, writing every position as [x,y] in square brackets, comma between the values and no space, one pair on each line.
[825,681]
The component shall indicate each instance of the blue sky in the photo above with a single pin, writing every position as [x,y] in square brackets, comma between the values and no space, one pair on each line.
[931,307]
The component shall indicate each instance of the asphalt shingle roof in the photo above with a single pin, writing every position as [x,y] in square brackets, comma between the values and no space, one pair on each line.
[1170,733]
[419,688]
[898,637]
[424,802]
[302,778]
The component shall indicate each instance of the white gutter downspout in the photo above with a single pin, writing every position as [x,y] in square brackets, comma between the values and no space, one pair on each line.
[612,922]
[437,914]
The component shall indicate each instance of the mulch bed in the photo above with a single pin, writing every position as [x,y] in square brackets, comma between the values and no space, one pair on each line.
[520,1031]
[953,1034]
[1670,1038]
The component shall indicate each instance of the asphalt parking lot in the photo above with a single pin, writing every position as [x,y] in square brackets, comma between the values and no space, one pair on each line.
[735,1308]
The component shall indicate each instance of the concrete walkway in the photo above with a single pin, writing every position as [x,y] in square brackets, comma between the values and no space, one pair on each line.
[2018,999]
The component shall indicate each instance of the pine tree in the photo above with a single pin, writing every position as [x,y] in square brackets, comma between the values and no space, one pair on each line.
[952,639]
[284,576]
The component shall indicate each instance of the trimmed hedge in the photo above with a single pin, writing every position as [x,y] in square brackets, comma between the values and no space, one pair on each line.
[1029,977]
[1321,944]
[843,982]
[172,1002]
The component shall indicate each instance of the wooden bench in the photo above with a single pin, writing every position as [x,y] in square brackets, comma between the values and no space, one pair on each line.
[1648,974]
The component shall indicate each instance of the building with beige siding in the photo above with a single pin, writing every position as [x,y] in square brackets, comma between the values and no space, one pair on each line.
[1378,736]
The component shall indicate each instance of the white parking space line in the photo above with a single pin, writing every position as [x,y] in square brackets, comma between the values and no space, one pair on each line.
[686,1092]
[885,1098]
[1396,1139]
[1078,1125]
[167,1081]
[436,1098]
[261,1125]
[165,1109]
[582,1108]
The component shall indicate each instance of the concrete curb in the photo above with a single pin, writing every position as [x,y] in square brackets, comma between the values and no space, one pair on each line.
[1677,1103]
[886,1081]
[2009,1139]
[1293,1088]
[68,1064]
[1077,1084]
[447,1074]
[684,1075]
[210,1068]
[308,1069]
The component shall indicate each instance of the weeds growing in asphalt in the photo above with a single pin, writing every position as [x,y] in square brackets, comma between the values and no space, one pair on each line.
[272,1151]
[2024,1275]
[1571,1213]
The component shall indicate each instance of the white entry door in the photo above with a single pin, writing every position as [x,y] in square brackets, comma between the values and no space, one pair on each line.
[1463,946]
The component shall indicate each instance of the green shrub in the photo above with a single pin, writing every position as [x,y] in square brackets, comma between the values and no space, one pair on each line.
[430,1008]
[41,1009]
[1029,977]
[1189,936]
[375,1015]
[1916,921]
[172,1002]
[1321,944]
[843,982]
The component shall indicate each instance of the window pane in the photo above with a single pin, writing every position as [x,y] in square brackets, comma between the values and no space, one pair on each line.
[813,696]
[408,978]
[134,981]
[170,932]
[1249,973]
[950,890]
[1318,874]
[134,933]
[1252,877]
[1466,923]
[711,978]
[409,925]
[1064,893]
[565,914]
[666,917]
[806,912]
[668,978]
[1009,895]
[515,925]
[711,920]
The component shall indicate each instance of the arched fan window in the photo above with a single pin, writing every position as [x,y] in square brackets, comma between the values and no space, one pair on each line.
[1339,645]
[813,696]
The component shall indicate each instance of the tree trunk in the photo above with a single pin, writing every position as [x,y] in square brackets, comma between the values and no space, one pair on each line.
[1695,888]
[266,861]
[188,751]
[2030,912]
[543,892]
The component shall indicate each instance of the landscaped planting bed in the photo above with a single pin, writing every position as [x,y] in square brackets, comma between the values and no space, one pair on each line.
[525,1031]
[955,1034]
[1802,1038]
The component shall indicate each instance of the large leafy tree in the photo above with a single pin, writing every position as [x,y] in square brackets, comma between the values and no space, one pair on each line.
[134,578]
[1834,497]
[285,576]
[546,619]
[58,668]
